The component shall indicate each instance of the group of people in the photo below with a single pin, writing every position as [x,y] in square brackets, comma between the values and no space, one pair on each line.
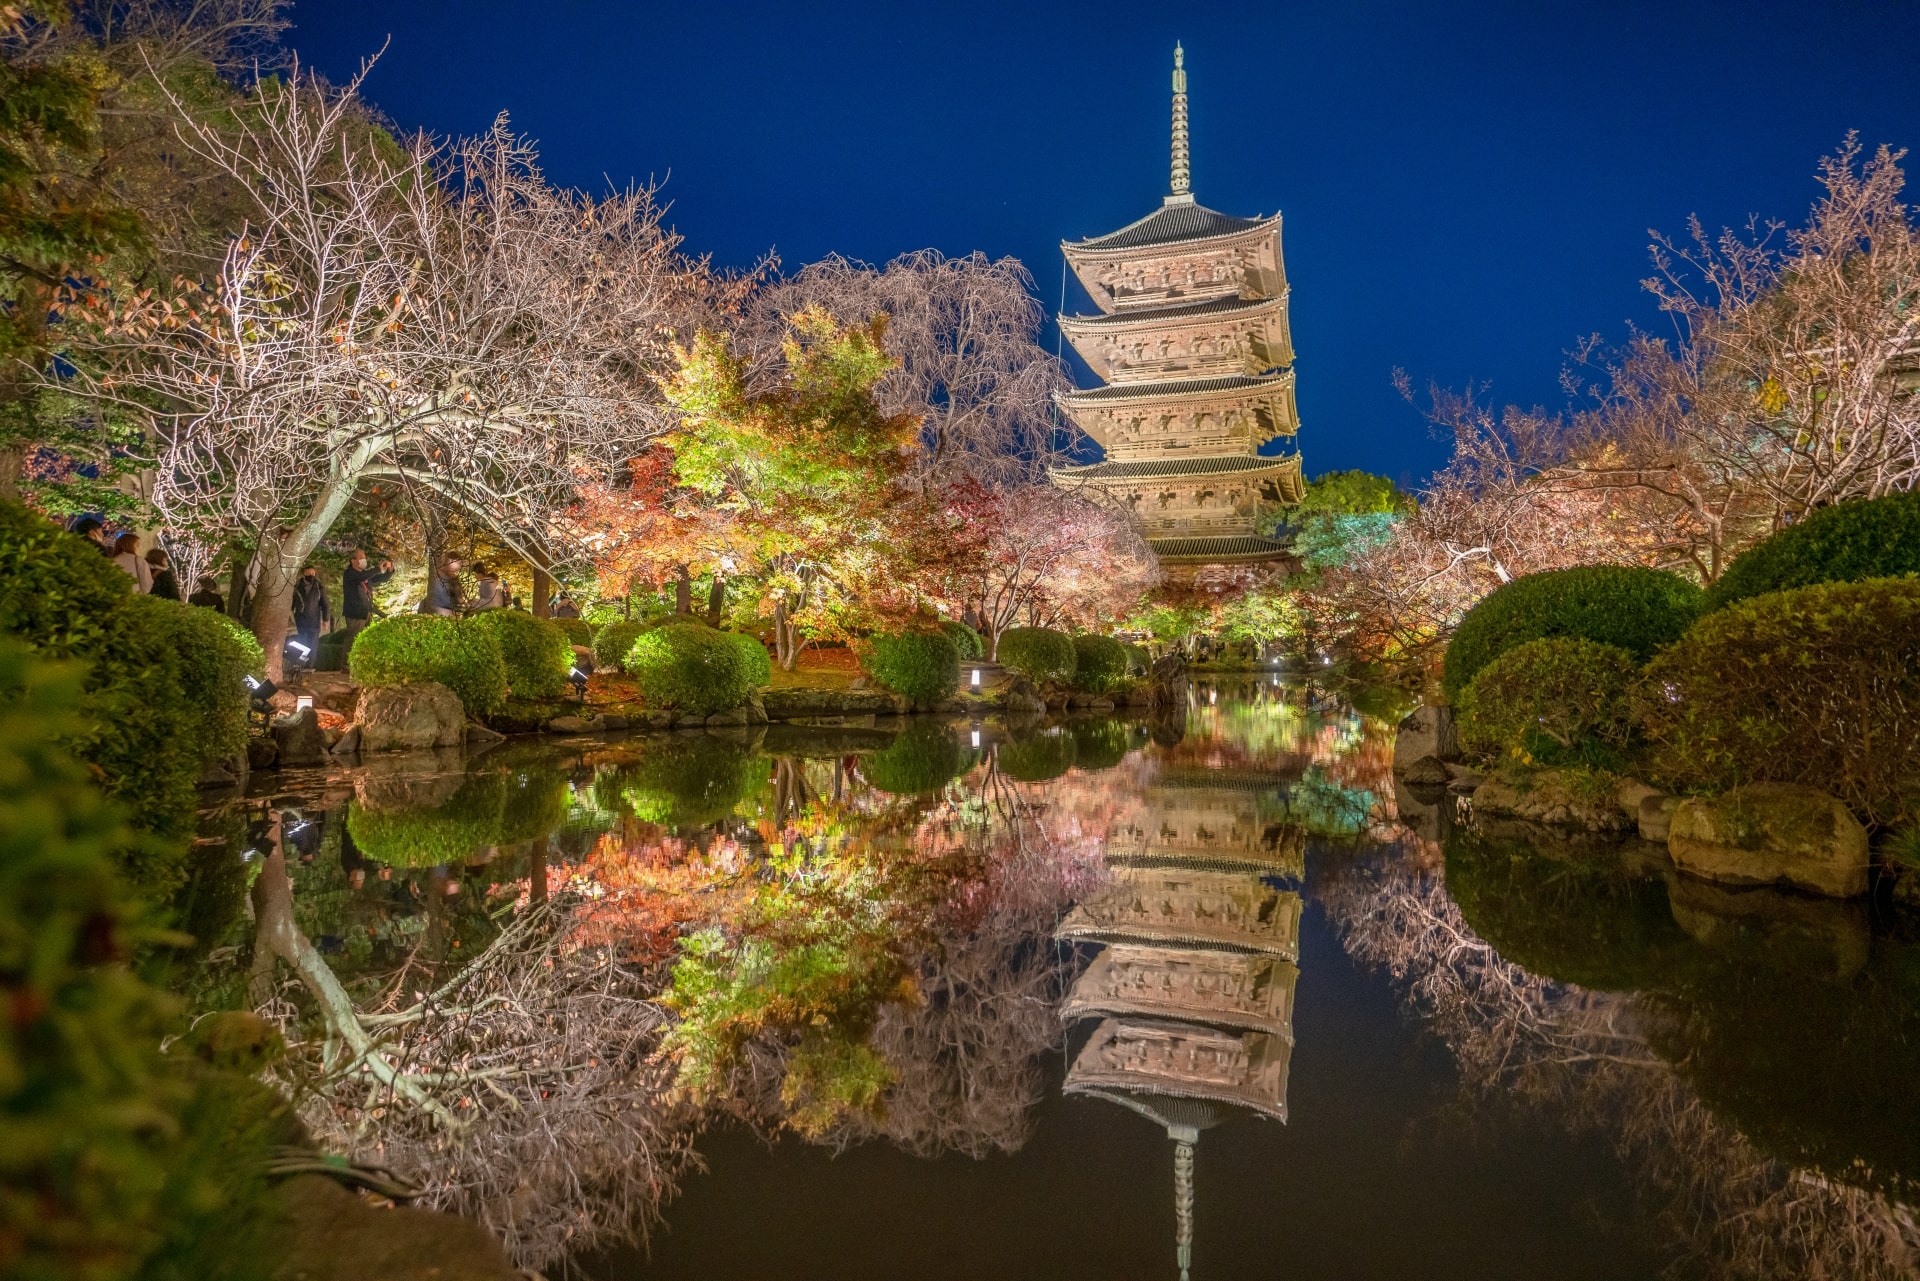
[313,612]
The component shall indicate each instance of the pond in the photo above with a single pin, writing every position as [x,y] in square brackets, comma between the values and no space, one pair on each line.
[1080,998]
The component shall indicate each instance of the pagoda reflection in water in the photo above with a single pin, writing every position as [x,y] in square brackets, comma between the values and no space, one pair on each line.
[1194,984]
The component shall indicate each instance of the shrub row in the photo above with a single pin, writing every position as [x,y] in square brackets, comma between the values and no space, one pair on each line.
[1845,543]
[464,657]
[1099,663]
[690,667]
[921,666]
[1040,654]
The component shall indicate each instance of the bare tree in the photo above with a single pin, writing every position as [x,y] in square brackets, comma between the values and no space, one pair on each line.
[429,314]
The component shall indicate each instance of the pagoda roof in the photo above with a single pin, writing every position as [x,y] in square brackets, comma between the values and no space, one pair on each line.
[1205,465]
[1222,547]
[1178,387]
[1163,316]
[1172,223]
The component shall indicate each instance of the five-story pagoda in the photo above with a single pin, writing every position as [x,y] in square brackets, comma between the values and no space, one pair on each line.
[1193,345]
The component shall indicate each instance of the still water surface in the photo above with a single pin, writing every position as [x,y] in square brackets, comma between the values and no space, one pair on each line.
[1093,998]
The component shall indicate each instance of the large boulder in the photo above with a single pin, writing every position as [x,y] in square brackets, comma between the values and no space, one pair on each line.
[1426,731]
[298,740]
[407,718]
[1772,834]
[1553,797]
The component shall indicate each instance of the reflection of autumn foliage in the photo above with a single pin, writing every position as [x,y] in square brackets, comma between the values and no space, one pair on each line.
[1733,1211]
[642,889]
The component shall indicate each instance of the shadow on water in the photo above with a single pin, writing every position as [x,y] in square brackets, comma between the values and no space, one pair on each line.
[1085,997]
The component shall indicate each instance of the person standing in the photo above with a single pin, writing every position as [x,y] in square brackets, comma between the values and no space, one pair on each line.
[563,607]
[488,592]
[165,586]
[126,554]
[311,613]
[444,595]
[207,592]
[356,592]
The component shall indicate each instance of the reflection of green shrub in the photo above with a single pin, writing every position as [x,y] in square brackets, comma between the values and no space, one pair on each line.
[1040,654]
[65,600]
[924,758]
[535,651]
[921,666]
[470,820]
[1035,759]
[1099,663]
[682,782]
[611,643]
[754,657]
[535,804]
[964,639]
[1637,609]
[1845,543]
[1819,685]
[1100,744]
[1559,699]
[689,667]
[423,647]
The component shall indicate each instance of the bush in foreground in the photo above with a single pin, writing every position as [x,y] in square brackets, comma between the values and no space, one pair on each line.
[1557,700]
[1819,685]
[1638,610]
[1040,654]
[216,655]
[689,667]
[536,651]
[1845,543]
[921,666]
[754,656]
[1099,663]
[423,647]
[611,643]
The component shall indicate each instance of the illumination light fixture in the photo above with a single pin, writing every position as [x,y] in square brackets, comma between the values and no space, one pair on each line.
[304,649]
[578,679]
[302,703]
[976,738]
[975,682]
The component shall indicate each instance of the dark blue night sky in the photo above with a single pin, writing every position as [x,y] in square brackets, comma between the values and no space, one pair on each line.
[1467,187]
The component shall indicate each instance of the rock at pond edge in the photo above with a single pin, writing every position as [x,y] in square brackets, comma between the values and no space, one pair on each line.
[1772,834]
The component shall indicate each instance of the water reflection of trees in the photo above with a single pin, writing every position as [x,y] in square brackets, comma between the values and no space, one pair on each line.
[1586,1057]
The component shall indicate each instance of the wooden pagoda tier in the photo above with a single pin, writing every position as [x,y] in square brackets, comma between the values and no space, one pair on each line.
[1193,345]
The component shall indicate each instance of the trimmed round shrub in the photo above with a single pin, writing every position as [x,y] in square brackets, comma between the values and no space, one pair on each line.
[689,667]
[1558,699]
[753,654]
[1845,543]
[535,651]
[681,781]
[579,631]
[216,656]
[65,600]
[424,647]
[1139,660]
[1637,609]
[922,759]
[965,639]
[1819,685]
[1099,663]
[611,643]
[1100,744]
[921,666]
[1040,654]
[330,654]
[1037,758]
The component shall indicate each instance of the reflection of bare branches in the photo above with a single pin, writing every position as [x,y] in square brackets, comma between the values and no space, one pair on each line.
[1582,1056]
[520,1093]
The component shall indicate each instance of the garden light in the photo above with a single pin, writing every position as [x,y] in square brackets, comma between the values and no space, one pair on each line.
[975,682]
[302,703]
[976,738]
[304,649]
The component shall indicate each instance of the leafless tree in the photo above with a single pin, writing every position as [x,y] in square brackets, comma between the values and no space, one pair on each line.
[435,315]
[965,333]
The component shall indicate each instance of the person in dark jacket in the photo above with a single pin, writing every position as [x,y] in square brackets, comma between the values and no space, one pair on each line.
[207,592]
[165,585]
[311,613]
[356,592]
[445,596]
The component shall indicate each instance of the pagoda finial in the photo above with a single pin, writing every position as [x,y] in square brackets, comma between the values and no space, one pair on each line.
[1182,184]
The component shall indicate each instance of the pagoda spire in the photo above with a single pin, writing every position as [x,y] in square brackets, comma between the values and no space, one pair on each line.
[1182,192]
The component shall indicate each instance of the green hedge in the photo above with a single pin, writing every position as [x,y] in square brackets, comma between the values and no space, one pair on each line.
[921,666]
[1040,654]
[690,667]
[1845,543]
[216,655]
[1037,758]
[1559,700]
[922,759]
[536,651]
[611,643]
[753,654]
[1637,609]
[65,600]
[1819,685]
[423,647]
[1099,663]
[965,639]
